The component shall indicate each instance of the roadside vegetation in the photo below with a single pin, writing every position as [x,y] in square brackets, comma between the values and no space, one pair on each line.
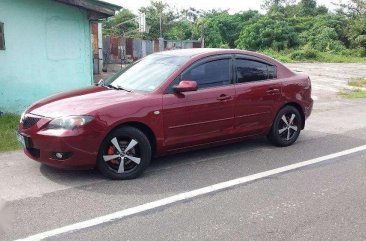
[357,89]
[357,82]
[291,31]
[8,126]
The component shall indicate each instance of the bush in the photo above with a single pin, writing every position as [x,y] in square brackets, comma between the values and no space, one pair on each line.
[306,54]
[267,32]
[282,56]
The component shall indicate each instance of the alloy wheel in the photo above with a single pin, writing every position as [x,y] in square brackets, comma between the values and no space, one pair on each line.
[288,126]
[122,155]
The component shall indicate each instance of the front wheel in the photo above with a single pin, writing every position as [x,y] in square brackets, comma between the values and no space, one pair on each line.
[286,127]
[124,154]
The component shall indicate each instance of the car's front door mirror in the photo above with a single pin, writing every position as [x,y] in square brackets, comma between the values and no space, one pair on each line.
[185,86]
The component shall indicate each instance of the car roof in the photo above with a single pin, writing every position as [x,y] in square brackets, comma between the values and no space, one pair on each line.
[194,52]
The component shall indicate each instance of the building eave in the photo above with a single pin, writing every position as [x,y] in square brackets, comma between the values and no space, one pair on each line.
[96,9]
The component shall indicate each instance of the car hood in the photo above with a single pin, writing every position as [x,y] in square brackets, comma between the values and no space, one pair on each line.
[82,102]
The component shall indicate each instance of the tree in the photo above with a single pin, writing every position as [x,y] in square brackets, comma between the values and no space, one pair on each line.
[181,30]
[325,34]
[113,26]
[286,25]
[355,10]
[222,29]
[268,32]
[356,32]
[156,11]
[307,8]
[275,4]
[357,7]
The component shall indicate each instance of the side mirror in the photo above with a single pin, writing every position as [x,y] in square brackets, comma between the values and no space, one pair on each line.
[185,86]
[100,82]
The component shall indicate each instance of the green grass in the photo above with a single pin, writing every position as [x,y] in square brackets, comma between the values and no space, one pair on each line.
[334,58]
[352,94]
[357,91]
[357,82]
[281,56]
[8,126]
[288,56]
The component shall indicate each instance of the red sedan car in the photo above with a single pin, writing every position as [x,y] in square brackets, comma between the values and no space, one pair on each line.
[166,103]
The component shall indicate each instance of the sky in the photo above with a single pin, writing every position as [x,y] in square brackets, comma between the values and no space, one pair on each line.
[233,5]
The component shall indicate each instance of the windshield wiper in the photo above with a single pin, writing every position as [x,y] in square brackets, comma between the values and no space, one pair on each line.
[118,87]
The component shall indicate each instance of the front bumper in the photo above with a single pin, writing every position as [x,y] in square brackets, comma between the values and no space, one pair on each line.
[82,144]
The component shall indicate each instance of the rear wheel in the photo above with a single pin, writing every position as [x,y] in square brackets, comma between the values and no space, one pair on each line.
[124,154]
[286,127]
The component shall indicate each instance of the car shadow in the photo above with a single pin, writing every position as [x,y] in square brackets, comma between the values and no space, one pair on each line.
[166,174]
[206,154]
[66,177]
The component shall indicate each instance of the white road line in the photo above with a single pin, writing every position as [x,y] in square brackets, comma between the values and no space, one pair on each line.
[187,195]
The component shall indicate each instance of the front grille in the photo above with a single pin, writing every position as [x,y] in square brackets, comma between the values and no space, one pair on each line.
[29,121]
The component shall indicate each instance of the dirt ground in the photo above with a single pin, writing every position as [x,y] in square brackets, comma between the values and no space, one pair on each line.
[329,78]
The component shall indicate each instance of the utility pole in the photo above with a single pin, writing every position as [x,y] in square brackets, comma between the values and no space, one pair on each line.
[161,39]
[161,30]
[202,36]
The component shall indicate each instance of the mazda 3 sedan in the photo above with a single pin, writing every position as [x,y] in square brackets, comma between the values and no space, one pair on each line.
[166,103]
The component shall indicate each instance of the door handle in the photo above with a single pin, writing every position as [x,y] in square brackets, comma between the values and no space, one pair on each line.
[272,91]
[223,97]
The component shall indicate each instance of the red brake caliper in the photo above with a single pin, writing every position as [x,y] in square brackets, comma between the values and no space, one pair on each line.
[111,151]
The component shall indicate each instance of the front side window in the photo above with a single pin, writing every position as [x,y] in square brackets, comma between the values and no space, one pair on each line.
[210,74]
[147,74]
[249,71]
[2,37]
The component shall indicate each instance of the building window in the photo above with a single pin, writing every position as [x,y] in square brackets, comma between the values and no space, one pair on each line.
[2,37]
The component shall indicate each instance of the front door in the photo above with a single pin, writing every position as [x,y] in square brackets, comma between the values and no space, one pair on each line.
[205,115]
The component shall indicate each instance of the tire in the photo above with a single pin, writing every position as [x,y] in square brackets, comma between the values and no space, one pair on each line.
[128,146]
[284,132]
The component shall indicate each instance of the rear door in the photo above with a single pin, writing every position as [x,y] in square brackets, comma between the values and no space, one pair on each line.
[205,115]
[258,92]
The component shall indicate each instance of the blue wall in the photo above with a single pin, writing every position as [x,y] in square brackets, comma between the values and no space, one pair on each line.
[48,50]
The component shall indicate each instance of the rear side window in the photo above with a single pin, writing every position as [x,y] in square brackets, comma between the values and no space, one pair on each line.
[272,72]
[210,74]
[250,70]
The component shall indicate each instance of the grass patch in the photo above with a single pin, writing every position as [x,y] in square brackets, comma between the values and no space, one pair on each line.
[357,82]
[311,56]
[353,94]
[280,56]
[335,58]
[8,126]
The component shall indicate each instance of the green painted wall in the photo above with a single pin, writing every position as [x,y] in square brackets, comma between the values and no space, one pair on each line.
[48,50]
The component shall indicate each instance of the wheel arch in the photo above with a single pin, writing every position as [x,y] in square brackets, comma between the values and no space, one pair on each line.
[145,129]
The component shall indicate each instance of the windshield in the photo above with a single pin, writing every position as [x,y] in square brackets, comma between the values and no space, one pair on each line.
[147,74]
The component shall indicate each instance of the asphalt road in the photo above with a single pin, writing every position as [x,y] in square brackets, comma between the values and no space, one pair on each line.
[318,202]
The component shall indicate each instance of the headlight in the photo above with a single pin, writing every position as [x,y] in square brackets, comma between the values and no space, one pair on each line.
[22,117]
[70,122]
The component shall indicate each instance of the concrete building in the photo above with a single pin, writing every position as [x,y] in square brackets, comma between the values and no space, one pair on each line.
[46,48]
